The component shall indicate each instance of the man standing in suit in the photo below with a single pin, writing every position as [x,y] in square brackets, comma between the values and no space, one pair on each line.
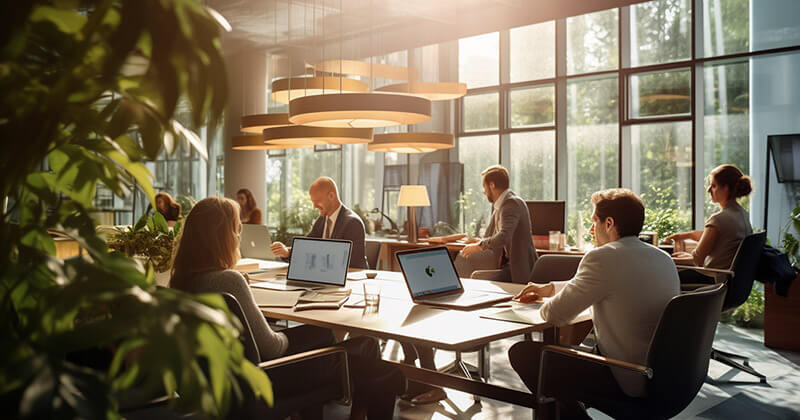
[335,221]
[506,253]
[627,282]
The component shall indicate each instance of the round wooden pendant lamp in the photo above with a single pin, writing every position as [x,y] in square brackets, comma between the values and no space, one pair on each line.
[416,142]
[250,142]
[434,91]
[297,87]
[315,136]
[256,123]
[359,110]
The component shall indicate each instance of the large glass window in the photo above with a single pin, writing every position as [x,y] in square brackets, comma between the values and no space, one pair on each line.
[592,42]
[726,27]
[479,60]
[661,32]
[476,153]
[661,165]
[532,107]
[533,52]
[532,166]
[481,112]
[592,146]
[665,93]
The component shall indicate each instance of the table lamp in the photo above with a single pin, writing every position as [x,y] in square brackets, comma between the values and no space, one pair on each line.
[412,196]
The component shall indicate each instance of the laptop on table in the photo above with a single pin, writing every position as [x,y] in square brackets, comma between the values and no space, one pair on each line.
[314,263]
[432,280]
[255,242]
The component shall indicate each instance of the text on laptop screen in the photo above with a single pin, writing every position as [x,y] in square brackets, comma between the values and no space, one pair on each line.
[429,272]
[319,261]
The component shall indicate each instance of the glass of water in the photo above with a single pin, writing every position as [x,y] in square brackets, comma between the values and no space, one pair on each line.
[372,293]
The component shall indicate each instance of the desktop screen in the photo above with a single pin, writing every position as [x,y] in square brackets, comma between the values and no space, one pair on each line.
[429,272]
[319,260]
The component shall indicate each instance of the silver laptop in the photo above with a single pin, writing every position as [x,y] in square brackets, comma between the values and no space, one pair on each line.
[255,242]
[432,280]
[315,263]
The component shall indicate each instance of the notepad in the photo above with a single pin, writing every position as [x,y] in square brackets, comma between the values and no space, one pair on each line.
[322,299]
[526,315]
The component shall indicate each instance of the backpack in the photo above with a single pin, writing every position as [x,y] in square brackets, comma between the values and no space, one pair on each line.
[774,266]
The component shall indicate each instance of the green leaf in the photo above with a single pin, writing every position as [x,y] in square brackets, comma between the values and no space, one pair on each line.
[139,171]
[68,21]
[258,380]
[159,222]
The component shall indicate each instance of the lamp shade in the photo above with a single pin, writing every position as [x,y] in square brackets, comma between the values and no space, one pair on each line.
[413,196]
[416,142]
[256,123]
[251,142]
[308,86]
[435,91]
[359,110]
[313,136]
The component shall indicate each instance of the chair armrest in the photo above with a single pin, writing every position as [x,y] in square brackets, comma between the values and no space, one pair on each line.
[299,357]
[545,394]
[710,270]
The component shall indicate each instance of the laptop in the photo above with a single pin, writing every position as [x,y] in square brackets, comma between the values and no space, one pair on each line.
[255,242]
[314,263]
[432,280]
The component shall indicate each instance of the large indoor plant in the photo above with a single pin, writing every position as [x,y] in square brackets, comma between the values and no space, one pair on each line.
[90,88]
[151,240]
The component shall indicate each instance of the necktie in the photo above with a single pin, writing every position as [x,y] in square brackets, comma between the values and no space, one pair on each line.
[328,228]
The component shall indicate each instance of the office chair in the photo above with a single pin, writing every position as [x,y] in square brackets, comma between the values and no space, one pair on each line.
[372,250]
[554,267]
[677,362]
[740,282]
[284,406]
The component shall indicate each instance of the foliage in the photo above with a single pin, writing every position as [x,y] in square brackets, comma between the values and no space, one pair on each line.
[791,242]
[750,313]
[296,220]
[186,202]
[149,237]
[85,88]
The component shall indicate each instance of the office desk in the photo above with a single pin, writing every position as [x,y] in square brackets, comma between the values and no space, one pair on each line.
[387,261]
[400,319]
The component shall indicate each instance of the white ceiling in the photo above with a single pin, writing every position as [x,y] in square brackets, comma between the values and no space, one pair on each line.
[304,27]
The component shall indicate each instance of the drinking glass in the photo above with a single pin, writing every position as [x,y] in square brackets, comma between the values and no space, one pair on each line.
[372,293]
[555,239]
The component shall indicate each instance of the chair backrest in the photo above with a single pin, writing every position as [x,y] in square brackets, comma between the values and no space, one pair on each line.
[554,268]
[372,249]
[246,337]
[681,347]
[546,216]
[744,267]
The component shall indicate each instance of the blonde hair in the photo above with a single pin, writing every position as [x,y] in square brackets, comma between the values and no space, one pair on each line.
[208,241]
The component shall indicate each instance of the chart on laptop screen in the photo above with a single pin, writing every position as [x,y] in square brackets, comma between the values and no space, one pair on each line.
[319,260]
[429,272]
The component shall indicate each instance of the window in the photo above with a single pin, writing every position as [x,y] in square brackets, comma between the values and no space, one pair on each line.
[592,42]
[665,93]
[592,146]
[481,112]
[479,60]
[532,166]
[660,32]
[533,52]
[476,153]
[532,107]
[726,27]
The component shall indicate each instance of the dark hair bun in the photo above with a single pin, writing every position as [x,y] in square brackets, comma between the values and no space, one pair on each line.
[744,186]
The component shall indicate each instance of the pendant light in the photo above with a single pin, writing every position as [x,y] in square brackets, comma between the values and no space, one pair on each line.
[307,136]
[251,142]
[256,123]
[415,142]
[358,110]
[298,87]
[434,91]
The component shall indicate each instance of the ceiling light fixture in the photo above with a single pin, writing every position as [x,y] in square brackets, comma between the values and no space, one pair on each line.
[250,142]
[298,87]
[359,110]
[315,136]
[256,123]
[434,91]
[416,142]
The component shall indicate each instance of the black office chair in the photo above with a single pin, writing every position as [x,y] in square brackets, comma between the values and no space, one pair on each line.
[677,361]
[555,268]
[286,404]
[740,283]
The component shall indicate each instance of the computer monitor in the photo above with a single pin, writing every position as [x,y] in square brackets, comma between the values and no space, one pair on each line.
[546,216]
[786,156]
[318,260]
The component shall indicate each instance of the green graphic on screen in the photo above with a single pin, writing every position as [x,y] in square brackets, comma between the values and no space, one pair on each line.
[430,271]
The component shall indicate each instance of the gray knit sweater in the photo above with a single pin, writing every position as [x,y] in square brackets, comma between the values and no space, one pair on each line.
[271,344]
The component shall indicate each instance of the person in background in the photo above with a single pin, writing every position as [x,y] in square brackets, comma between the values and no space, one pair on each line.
[724,230]
[168,208]
[627,282]
[335,221]
[207,252]
[251,214]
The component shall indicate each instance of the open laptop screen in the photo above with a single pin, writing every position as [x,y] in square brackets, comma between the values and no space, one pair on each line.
[429,271]
[319,260]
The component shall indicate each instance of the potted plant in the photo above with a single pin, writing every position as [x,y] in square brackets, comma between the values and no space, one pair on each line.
[782,313]
[149,240]
[90,89]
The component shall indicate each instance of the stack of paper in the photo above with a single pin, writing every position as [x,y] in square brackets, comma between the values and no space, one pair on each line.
[322,299]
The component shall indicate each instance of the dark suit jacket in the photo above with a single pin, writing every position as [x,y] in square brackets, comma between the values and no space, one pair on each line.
[510,228]
[348,226]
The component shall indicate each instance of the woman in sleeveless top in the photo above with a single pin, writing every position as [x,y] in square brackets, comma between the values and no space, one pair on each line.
[250,213]
[723,231]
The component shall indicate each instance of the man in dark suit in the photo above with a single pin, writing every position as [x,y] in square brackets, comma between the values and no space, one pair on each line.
[335,221]
[506,253]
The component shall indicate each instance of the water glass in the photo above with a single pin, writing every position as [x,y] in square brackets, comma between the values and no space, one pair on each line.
[372,293]
[555,239]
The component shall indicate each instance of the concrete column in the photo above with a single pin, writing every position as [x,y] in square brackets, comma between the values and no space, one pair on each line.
[247,90]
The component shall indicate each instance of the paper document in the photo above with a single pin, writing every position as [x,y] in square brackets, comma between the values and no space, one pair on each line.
[522,315]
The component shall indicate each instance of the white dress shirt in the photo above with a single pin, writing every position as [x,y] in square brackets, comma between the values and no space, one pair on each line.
[332,220]
[628,283]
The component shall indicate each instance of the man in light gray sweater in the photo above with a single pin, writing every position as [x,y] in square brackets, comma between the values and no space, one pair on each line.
[625,281]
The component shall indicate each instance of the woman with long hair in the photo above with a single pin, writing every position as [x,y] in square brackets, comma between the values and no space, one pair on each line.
[207,252]
[168,208]
[723,231]
[250,213]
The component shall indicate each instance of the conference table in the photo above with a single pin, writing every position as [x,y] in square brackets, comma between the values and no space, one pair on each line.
[398,318]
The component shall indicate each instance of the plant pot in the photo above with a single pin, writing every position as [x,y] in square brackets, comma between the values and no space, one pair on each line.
[782,317]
